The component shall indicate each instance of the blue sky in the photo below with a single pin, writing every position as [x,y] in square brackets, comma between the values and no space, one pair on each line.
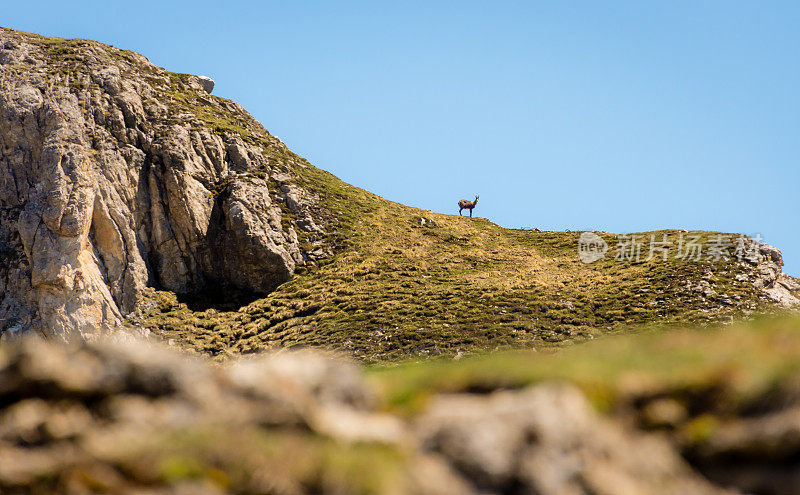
[618,116]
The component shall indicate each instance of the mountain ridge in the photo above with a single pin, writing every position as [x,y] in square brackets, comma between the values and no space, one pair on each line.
[134,200]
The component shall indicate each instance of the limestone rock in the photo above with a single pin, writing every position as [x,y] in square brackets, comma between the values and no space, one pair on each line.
[207,83]
[110,185]
[247,244]
[777,286]
[781,294]
[767,275]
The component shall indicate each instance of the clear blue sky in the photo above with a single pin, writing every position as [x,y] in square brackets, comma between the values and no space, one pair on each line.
[620,116]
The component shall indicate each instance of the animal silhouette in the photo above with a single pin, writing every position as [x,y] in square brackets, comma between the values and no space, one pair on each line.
[466,204]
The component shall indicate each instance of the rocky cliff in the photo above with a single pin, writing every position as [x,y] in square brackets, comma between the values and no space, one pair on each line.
[131,198]
[116,176]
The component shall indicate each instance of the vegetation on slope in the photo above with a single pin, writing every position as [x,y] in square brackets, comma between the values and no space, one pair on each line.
[410,282]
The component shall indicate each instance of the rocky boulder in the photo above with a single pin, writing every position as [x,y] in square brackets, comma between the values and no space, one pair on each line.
[207,83]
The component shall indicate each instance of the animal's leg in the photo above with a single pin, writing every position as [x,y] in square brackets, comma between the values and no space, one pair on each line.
[470,212]
[459,211]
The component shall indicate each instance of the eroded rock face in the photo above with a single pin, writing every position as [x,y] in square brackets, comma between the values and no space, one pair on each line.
[247,245]
[116,176]
[769,276]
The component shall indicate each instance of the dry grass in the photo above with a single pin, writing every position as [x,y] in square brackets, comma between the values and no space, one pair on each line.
[408,282]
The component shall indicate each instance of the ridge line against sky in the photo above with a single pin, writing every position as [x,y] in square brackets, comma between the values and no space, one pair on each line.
[621,117]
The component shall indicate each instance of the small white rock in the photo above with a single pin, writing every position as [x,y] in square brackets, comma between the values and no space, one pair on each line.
[207,83]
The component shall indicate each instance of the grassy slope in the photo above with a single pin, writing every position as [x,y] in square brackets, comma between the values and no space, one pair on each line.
[401,287]
[409,282]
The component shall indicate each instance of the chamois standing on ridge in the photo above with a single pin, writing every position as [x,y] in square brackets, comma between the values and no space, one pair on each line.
[466,204]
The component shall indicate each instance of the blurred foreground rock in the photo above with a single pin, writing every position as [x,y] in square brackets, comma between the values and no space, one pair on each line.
[547,439]
[131,417]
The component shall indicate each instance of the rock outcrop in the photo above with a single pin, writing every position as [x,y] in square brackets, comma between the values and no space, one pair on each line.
[781,288]
[207,83]
[116,176]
